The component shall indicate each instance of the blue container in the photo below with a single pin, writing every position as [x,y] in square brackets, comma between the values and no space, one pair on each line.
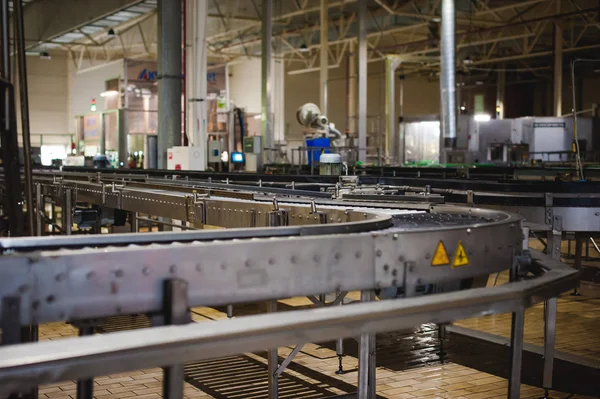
[320,145]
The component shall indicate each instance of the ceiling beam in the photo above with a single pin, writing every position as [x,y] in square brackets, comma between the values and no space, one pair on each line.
[45,20]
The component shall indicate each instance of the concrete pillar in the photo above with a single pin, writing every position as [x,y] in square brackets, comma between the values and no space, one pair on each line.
[558,60]
[169,78]
[324,56]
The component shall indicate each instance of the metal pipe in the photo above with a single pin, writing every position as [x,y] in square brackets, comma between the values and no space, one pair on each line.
[352,88]
[184,136]
[169,78]
[267,84]
[324,56]
[448,74]
[362,81]
[391,142]
[18,8]
[558,58]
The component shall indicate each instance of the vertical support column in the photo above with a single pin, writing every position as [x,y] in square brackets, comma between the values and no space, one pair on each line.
[25,128]
[324,55]
[400,133]
[267,83]
[8,132]
[391,139]
[134,222]
[362,81]
[500,89]
[39,210]
[366,359]
[169,78]
[67,213]
[85,388]
[197,84]
[578,255]
[124,121]
[352,125]
[273,360]
[558,60]
[516,343]
[176,312]
[448,74]
[550,308]
[103,134]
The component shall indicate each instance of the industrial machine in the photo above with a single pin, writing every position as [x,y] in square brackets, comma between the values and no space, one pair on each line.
[309,236]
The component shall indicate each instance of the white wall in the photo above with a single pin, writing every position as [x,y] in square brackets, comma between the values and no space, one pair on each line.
[47,82]
[89,84]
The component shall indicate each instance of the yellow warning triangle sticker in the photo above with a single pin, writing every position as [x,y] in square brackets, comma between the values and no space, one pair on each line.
[460,258]
[440,256]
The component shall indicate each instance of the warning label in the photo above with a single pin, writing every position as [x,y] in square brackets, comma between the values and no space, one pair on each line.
[440,256]
[460,258]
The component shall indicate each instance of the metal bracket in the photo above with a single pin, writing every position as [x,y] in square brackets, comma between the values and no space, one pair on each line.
[470,197]
[11,320]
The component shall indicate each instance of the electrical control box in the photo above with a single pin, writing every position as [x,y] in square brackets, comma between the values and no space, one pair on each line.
[186,158]
[253,151]
[214,151]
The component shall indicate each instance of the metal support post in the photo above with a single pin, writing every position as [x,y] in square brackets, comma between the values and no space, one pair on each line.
[448,74]
[229,311]
[324,55]
[273,360]
[25,128]
[516,343]
[362,81]
[134,222]
[176,312]
[8,132]
[85,388]
[391,143]
[267,81]
[67,213]
[558,61]
[40,209]
[366,359]
[550,307]
[339,343]
[577,263]
[169,78]
[500,90]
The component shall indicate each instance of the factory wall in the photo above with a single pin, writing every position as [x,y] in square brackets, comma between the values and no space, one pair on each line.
[47,82]
[90,84]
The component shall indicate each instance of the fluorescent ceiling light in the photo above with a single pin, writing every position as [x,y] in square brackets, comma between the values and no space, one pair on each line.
[482,118]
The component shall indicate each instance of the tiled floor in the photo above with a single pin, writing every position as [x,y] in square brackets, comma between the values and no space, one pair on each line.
[313,373]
